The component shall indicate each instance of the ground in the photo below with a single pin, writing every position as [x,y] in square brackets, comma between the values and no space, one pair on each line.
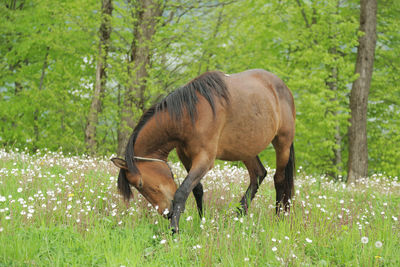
[60,210]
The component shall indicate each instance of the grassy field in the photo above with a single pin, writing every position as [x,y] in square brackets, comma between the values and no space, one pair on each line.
[60,210]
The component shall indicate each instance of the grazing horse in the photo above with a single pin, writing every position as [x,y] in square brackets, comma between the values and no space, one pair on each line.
[214,116]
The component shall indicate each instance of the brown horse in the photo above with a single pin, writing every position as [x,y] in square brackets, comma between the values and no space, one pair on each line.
[215,116]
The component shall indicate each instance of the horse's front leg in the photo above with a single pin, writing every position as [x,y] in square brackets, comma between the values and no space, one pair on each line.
[198,189]
[199,168]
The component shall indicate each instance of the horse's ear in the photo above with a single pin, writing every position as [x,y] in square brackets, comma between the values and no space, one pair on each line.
[120,163]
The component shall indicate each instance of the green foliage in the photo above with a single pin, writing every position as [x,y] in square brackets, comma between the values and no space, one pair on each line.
[46,79]
[48,59]
[384,101]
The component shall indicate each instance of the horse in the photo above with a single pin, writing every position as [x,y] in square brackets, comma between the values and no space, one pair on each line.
[214,116]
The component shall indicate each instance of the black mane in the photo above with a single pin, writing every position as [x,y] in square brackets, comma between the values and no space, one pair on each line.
[209,85]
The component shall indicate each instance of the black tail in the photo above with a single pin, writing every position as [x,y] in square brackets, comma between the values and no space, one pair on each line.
[290,171]
[123,185]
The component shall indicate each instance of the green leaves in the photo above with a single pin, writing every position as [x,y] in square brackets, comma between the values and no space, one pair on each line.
[44,51]
[316,61]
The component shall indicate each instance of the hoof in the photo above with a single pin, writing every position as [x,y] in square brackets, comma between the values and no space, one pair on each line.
[174,231]
[240,211]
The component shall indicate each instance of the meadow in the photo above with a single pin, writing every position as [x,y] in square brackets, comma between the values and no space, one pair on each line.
[63,210]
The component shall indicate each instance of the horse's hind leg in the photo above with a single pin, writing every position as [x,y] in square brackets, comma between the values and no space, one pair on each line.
[283,178]
[198,195]
[257,174]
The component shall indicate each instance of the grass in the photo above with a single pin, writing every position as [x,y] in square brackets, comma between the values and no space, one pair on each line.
[60,210]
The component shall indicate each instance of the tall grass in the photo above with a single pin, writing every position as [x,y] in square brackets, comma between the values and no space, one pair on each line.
[60,210]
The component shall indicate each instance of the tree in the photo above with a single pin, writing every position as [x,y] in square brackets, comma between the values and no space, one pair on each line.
[146,16]
[43,73]
[50,51]
[358,151]
[95,107]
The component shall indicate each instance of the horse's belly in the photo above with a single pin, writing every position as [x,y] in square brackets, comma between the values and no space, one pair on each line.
[238,146]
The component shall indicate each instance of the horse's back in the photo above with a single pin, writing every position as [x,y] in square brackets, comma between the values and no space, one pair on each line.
[260,104]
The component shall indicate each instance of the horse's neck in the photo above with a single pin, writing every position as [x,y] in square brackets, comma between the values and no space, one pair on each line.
[154,141]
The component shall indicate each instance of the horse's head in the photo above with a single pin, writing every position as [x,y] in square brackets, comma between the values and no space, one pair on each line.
[153,180]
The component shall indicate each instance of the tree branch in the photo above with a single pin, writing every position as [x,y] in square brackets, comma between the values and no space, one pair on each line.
[303,13]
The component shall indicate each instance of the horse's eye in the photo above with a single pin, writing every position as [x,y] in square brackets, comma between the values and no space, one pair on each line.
[140,185]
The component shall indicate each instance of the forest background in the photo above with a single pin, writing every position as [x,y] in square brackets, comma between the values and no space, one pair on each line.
[76,75]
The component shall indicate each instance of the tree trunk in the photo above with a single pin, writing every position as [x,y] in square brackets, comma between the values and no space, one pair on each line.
[36,112]
[337,149]
[147,14]
[358,152]
[333,86]
[95,107]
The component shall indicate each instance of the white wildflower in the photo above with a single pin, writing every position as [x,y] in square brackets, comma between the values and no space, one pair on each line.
[166,211]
